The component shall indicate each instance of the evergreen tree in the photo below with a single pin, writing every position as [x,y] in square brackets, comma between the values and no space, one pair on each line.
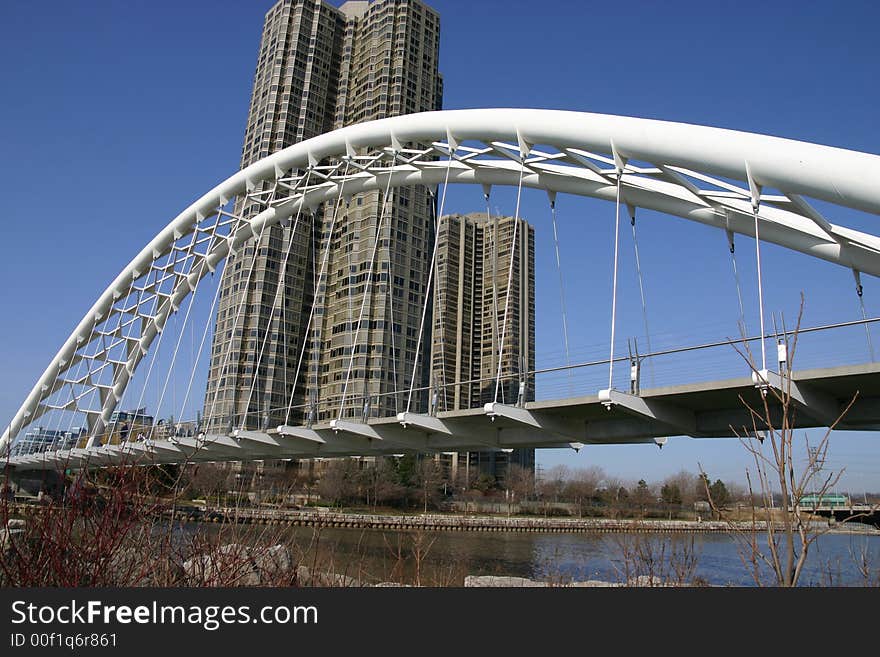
[671,494]
[719,493]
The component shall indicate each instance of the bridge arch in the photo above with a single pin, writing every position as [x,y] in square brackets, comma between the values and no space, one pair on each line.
[679,169]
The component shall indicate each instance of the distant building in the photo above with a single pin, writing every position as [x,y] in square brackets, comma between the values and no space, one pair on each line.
[43,439]
[318,68]
[133,425]
[476,258]
[138,416]
[832,500]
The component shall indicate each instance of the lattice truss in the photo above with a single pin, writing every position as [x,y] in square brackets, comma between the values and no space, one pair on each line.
[95,380]
[90,376]
[785,217]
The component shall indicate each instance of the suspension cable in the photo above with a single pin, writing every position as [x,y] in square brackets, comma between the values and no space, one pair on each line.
[859,290]
[180,334]
[279,298]
[350,282]
[412,380]
[194,361]
[306,333]
[492,227]
[223,373]
[313,376]
[552,196]
[390,296]
[368,293]
[156,294]
[181,330]
[739,298]
[198,355]
[59,416]
[642,291]
[614,278]
[663,352]
[513,254]
[283,332]
[131,327]
[84,358]
[760,284]
[439,295]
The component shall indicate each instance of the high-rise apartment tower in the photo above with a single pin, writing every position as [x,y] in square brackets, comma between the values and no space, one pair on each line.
[476,325]
[273,361]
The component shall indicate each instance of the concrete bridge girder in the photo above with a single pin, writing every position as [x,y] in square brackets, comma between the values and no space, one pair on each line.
[819,405]
[677,420]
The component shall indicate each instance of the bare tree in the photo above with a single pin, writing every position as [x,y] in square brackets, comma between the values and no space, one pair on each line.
[337,481]
[788,533]
[688,484]
[583,485]
[646,559]
[614,496]
[429,478]
[379,483]
[519,484]
[209,479]
[552,485]
[307,482]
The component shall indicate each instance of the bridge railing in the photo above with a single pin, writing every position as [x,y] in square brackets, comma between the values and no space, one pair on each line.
[843,343]
[829,345]
[838,344]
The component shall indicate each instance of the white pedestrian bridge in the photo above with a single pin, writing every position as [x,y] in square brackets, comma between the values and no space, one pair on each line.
[742,184]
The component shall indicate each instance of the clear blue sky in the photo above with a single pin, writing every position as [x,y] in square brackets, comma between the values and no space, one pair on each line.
[116,115]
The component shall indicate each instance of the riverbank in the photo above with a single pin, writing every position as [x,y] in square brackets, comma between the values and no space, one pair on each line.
[471,523]
[321,517]
[341,549]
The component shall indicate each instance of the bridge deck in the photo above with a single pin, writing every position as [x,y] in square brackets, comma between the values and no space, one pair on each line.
[701,410]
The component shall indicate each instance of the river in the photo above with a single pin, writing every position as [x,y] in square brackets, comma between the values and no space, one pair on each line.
[445,558]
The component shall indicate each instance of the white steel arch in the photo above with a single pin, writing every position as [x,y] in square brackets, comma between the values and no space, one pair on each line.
[678,169]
